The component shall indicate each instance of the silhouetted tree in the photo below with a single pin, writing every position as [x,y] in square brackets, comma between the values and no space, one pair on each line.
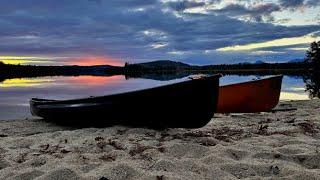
[313,79]
[313,55]
[312,82]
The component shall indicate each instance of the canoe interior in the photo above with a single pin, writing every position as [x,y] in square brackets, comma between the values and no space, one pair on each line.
[250,97]
[188,104]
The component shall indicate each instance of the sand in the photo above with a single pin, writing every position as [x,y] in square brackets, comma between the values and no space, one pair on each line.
[280,145]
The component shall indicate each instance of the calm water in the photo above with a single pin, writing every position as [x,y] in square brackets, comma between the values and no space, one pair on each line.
[15,93]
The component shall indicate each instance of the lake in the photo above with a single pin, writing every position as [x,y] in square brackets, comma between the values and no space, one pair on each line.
[15,93]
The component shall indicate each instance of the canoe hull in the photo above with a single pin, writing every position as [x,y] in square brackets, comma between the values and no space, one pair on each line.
[250,97]
[189,104]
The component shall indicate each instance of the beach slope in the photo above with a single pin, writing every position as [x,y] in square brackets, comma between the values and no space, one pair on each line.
[283,144]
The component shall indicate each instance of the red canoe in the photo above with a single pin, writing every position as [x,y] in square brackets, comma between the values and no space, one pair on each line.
[250,97]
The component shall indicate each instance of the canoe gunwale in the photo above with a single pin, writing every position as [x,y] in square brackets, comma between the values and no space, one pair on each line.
[254,81]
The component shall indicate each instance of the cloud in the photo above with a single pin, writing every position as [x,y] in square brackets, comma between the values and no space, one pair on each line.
[184,4]
[298,4]
[312,3]
[140,30]
[255,13]
[291,3]
[260,52]
[273,43]
[298,49]
[158,45]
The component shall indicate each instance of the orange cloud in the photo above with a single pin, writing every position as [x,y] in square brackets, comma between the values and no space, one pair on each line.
[96,60]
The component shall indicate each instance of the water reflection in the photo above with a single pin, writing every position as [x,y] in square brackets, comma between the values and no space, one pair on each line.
[15,93]
[293,88]
[24,82]
[287,96]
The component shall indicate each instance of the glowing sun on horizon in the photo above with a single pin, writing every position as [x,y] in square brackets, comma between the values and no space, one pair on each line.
[91,61]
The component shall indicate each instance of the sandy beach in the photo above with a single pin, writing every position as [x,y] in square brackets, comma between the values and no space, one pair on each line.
[273,145]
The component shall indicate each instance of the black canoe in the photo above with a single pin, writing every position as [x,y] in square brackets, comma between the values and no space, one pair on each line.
[187,104]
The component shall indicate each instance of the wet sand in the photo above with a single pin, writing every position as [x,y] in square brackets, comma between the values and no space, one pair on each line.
[283,144]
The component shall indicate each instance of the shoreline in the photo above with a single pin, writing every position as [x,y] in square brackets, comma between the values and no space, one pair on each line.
[283,144]
[159,67]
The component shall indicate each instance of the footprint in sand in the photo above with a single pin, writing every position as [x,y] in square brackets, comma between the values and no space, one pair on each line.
[303,176]
[241,170]
[215,159]
[3,164]
[21,143]
[310,161]
[165,165]
[37,161]
[27,175]
[288,150]
[61,174]
[2,151]
[122,171]
[236,154]
[187,150]
[271,155]
[88,168]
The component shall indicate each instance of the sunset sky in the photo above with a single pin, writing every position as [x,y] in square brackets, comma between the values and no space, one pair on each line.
[89,32]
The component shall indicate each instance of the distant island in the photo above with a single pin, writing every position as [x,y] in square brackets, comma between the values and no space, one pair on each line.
[167,66]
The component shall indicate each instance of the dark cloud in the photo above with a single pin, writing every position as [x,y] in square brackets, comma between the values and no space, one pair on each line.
[291,3]
[312,3]
[185,4]
[129,29]
[294,4]
[254,12]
